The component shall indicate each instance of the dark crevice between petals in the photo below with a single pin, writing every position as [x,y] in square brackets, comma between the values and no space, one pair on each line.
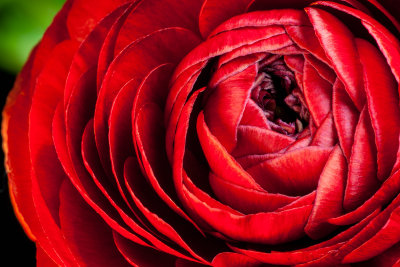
[277,94]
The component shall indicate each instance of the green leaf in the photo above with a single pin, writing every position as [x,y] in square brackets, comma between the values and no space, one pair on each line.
[22,24]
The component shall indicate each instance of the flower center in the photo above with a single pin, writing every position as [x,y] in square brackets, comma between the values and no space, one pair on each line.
[277,94]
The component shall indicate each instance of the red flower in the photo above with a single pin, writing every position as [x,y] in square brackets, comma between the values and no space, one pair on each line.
[216,132]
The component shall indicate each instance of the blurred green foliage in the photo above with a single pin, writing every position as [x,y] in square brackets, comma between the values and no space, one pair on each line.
[22,24]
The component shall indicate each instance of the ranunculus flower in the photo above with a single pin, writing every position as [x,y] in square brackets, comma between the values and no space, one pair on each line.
[216,132]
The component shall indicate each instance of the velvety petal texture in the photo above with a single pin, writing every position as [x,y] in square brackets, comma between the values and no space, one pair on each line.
[210,133]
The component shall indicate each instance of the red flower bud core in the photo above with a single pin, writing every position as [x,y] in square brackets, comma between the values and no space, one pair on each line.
[210,132]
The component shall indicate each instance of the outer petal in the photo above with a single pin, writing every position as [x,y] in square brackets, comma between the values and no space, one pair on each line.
[84,15]
[385,238]
[388,44]
[213,12]
[383,99]
[234,260]
[81,226]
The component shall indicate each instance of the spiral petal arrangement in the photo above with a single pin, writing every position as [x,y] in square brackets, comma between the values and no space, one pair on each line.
[216,132]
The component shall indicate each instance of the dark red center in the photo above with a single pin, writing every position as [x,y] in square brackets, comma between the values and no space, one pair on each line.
[278,95]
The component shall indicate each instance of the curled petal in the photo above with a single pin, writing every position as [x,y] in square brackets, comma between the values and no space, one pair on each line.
[361,181]
[383,99]
[385,238]
[213,12]
[247,200]
[276,175]
[345,116]
[252,140]
[317,93]
[221,163]
[340,48]
[329,196]
[81,225]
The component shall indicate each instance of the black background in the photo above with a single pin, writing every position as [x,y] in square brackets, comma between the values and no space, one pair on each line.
[16,249]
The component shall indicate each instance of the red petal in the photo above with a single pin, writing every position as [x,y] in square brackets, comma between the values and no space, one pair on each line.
[345,235]
[376,225]
[329,197]
[46,177]
[224,43]
[390,257]
[388,44]
[85,14]
[87,55]
[304,37]
[149,132]
[326,133]
[106,54]
[69,152]
[345,115]
[55,34]
[102,205]
[386,237]
[252,140]
[214,12]
[81,227]
[361,181]
[220,161]
[120,133]
[176,101]
[295,62]
[233,68]
[300,143]
[383,101]
[48,93]
[118,200]
[247,200]
[234,260]
[57,247]
[317,93]
[14,130]
[253,116]
[42,259]
[308,254]
[323,70]
[278,228]
[388,190]
[250,160]
[266,4]
[339,45]
[226,104]
[288,258]
[277,175]
[276,40]
[153,15]
[389,6]
[152,50]
[138,255]
[180,137]
[160,216]
[264,18]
